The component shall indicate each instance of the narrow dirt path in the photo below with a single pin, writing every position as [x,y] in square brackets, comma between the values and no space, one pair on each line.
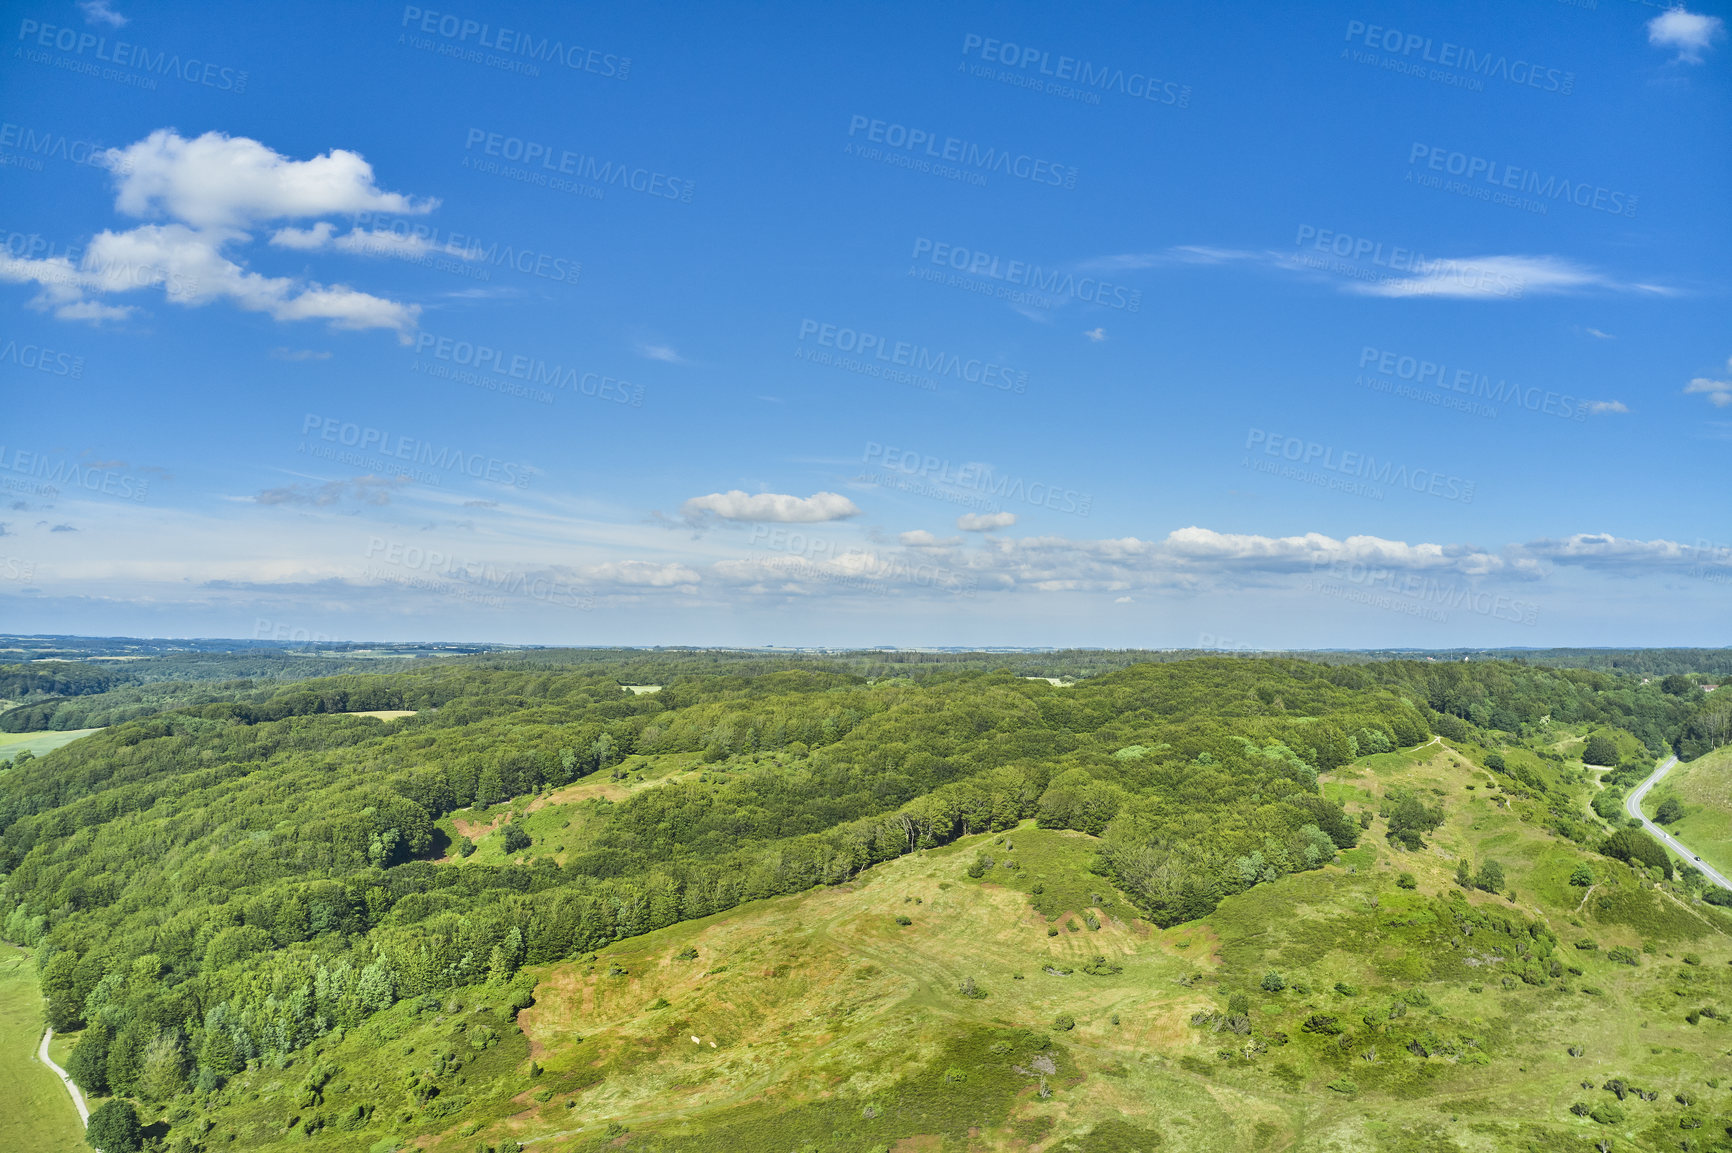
[77,1097]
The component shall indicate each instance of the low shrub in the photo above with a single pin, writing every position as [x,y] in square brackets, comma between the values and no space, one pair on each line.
[1607,1113]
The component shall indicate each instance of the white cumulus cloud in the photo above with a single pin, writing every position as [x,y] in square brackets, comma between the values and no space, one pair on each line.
[207,193]
[1603,550]
[1687,33]
[920,538]
[305,239]
[985,521]
[218,181]
[1206,547]
[1718,392]
[98,12]
[770,506]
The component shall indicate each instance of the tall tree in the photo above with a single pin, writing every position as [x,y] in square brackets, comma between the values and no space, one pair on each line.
[114,1128]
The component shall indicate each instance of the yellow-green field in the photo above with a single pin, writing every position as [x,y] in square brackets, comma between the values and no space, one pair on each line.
[1704,786]
[36,1115]
[11,744]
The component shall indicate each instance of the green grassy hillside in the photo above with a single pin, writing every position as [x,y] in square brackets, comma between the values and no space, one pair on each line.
[1704,788]
[1429,1016]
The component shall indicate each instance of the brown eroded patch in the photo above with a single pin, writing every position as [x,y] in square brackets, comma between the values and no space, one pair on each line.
[922,1143]
[475,830]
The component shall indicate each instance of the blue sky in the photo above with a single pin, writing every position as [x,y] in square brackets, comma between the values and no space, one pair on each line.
[1332,325]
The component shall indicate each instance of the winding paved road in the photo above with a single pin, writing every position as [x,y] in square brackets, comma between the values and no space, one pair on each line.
[1633,806]
[77,1097]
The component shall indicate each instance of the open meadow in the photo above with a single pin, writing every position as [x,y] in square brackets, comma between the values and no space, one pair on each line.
[36,744]
[38,1116]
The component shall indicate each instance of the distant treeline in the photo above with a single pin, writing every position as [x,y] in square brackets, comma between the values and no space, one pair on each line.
[62,695]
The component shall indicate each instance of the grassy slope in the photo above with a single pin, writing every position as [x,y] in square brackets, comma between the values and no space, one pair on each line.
[555,819]
[1704,785]
[37,1113]
[11,744]
[823,1025]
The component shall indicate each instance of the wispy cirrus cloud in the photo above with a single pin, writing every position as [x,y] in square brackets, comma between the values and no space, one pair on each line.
[665,353]
[373,490]
[1498,277]
[1180,254]
[1493,277]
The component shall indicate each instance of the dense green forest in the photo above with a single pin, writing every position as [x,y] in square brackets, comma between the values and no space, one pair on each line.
[232,879]
[124,679]
[51,694]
